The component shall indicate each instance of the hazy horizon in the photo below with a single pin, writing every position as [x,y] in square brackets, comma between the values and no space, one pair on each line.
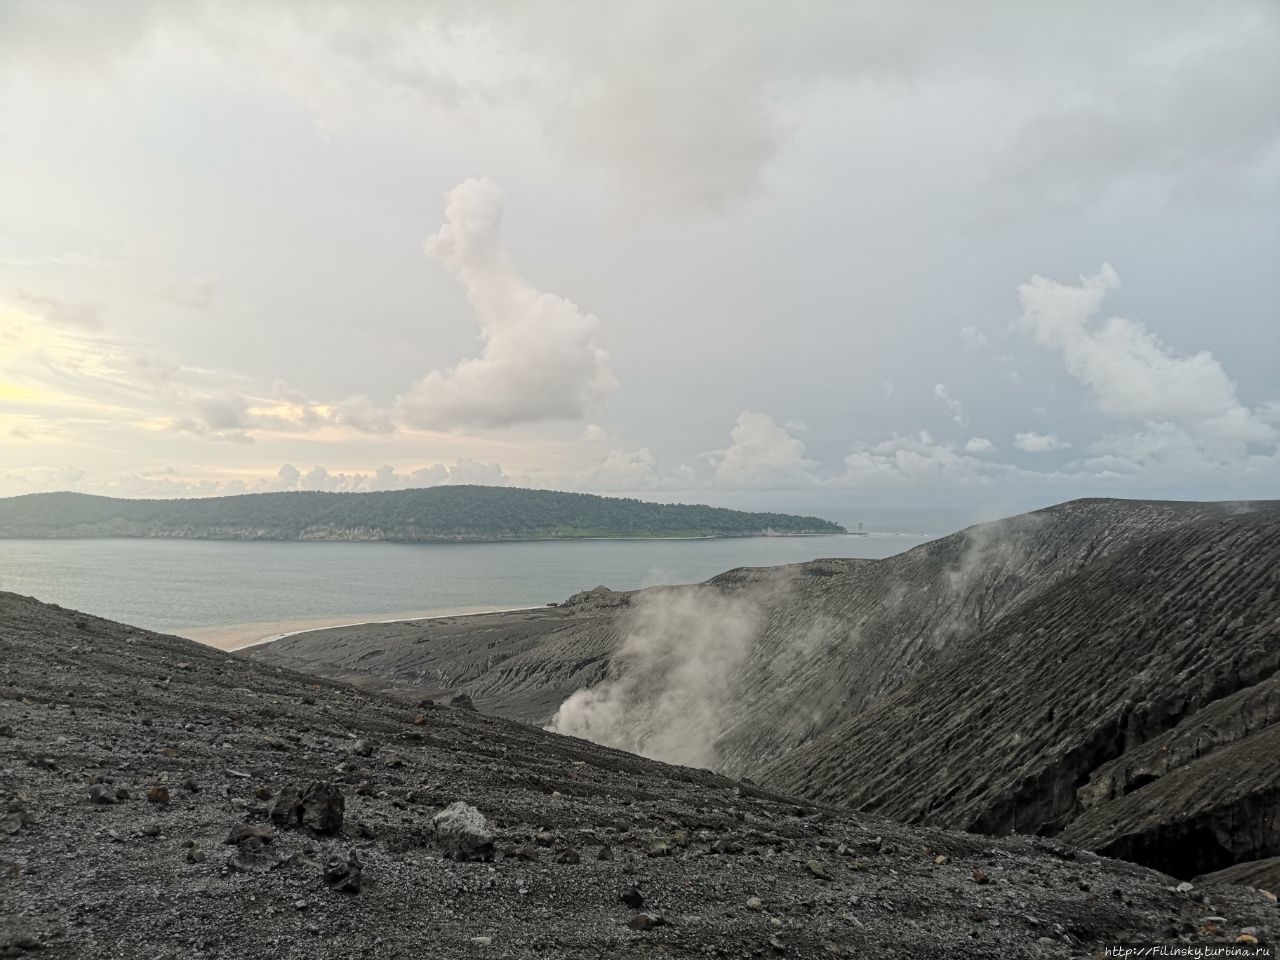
[836,257]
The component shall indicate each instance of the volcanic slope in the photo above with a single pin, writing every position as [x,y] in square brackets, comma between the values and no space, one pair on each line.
[138,771]
[1132,707]
[821,640]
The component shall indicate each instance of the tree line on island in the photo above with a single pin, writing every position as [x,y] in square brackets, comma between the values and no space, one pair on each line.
[450,513]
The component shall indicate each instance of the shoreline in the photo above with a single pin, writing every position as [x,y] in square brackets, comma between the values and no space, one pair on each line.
[366,623]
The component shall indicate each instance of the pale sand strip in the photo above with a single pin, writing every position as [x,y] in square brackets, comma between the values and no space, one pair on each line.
[239,636]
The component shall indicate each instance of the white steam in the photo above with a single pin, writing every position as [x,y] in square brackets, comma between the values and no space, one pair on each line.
[671,686]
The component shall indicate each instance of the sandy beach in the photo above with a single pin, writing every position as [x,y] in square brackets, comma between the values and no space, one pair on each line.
[243,635]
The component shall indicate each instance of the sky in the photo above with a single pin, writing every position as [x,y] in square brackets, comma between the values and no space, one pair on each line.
[775,255]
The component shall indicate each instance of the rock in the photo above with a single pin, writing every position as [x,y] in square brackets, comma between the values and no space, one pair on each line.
[632,897]
[19,943]
[1184,887]
[195,854]
[980,877]
[941,859]
[102,794]
[463,833]
[817,870]
[659,848]
[754,904]
[726,846]
[777,945]
[363,748]
[528,853]
[319,805]
[151,830]
[122,794]
[323,807]
[253,855]
[642,921]
[605,853]
[190,786]
[545,838]
[568,856]
[249,831]
[6,730]
[16,815]
[158,795]
[286,808]
[345,877]
[462,702]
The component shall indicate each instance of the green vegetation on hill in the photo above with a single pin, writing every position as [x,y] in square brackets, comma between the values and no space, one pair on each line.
[436,513]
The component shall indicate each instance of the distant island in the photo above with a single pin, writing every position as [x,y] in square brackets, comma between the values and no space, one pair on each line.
[453,513]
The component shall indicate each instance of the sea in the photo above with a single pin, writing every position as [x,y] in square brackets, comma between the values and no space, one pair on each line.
[234,593]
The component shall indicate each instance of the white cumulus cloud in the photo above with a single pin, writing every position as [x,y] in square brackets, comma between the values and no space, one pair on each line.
[542,358]
[953,407]
[1031,442]
[762,454]
[1133,375]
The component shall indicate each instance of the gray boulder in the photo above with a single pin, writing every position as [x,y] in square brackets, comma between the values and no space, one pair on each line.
[463,833]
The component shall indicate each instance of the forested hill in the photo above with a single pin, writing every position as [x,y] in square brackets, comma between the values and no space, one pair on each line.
[436,513]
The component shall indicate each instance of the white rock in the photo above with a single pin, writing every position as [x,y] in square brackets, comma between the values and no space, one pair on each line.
[463,833]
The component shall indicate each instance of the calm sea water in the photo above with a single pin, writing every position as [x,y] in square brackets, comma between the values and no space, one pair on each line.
[230,593]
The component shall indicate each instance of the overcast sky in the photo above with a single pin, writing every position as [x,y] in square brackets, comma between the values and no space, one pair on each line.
[883,253]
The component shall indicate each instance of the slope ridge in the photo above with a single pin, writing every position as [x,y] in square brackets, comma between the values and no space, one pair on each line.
[1029,725]
[824,640]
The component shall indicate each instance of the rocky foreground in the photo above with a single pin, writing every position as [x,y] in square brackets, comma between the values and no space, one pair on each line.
[161,799]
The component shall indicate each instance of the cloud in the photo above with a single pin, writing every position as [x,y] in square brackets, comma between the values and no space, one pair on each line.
[953,407]
[198,293]
[917,460]
[542,358]
[360,413]
[978,445]
[1134,376]
[1032,442]
[972,337]
[762,455]
[71,313]
[628,471]
[171,482]
[1181,92]
[1196,118]
[386,477]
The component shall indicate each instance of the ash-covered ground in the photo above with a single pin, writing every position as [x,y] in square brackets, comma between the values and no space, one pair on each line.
[162,799]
